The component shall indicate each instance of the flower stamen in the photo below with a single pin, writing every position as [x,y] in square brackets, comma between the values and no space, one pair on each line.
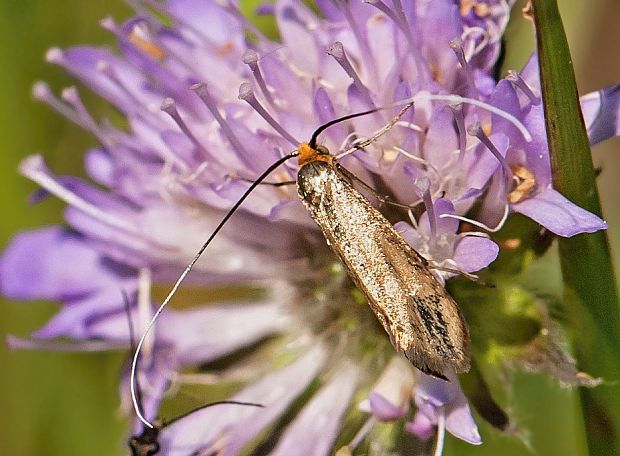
[250,58]
[459,120]
[476,130]
[456,45]
[246,93]
[34,168]
[441,431]
[41,92]
[336,50]
[71,96]
[169,107]
[517,81]
[202,91]
[480,224]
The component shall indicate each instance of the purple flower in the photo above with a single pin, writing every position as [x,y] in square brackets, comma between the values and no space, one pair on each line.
[207,109]
[442,403]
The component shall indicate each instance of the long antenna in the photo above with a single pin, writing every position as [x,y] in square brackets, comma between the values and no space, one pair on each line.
[229,214]
[132,346]
[325,126]
[426,96]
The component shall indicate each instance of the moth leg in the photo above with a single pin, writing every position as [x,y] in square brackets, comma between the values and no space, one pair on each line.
[376,135]
[273,184]
[468,275]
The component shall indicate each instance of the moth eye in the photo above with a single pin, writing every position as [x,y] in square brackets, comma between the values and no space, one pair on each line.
[322,150]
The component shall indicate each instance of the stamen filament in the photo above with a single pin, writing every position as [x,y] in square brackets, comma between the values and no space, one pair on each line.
[247,94]
[336,50]
[441,431]
[519,82]
[203,93]
[33,168]
[250,58]
[169,107]
[425,96]
[476,130]
[480,224]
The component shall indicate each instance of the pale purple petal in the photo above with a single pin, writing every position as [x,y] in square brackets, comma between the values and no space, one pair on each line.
[212,331]
[474,253]
[314,430]
[383,409]
[556,213]
[460,422]
[241,424]
[434,396]
[601,113]
[421,426]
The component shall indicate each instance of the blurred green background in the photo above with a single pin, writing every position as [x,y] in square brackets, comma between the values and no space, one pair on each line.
[67,404]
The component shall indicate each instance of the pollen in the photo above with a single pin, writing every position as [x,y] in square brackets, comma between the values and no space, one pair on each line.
[479,9]
[525,182]
[141,40]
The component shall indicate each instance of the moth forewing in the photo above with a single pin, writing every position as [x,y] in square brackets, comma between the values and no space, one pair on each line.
[421,318]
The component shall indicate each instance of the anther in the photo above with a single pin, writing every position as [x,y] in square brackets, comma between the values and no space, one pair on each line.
[54,55]
[246,93]
[109,24]
[169,107]
[41,92]
[250,58]
[141,37]
[336,50]
[517,81]
[476,130]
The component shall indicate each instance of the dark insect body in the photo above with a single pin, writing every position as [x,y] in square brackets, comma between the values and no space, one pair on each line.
[421,318]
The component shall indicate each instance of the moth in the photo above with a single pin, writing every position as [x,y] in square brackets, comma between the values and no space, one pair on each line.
[420,317]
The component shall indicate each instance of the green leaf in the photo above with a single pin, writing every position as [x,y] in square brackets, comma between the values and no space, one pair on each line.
[590,290]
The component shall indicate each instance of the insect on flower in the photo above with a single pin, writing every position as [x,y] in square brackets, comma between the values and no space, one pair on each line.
[420,317]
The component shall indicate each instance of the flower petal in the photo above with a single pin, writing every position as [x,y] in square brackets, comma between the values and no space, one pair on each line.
[237,424]
[383,409]
[474,253]
[421,426]
[601,113]
[315,429]
[556,213]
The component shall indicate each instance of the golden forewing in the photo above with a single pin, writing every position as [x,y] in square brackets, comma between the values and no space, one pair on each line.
[420,317]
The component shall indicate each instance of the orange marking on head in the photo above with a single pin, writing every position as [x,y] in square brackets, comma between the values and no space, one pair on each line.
[307,154]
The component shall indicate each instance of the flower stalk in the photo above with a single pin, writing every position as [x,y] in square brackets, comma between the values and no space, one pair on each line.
[590,287]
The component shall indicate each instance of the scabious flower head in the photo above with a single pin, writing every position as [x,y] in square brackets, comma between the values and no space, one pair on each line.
[210,102]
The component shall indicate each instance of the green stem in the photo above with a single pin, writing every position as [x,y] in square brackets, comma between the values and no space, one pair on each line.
[590,290]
